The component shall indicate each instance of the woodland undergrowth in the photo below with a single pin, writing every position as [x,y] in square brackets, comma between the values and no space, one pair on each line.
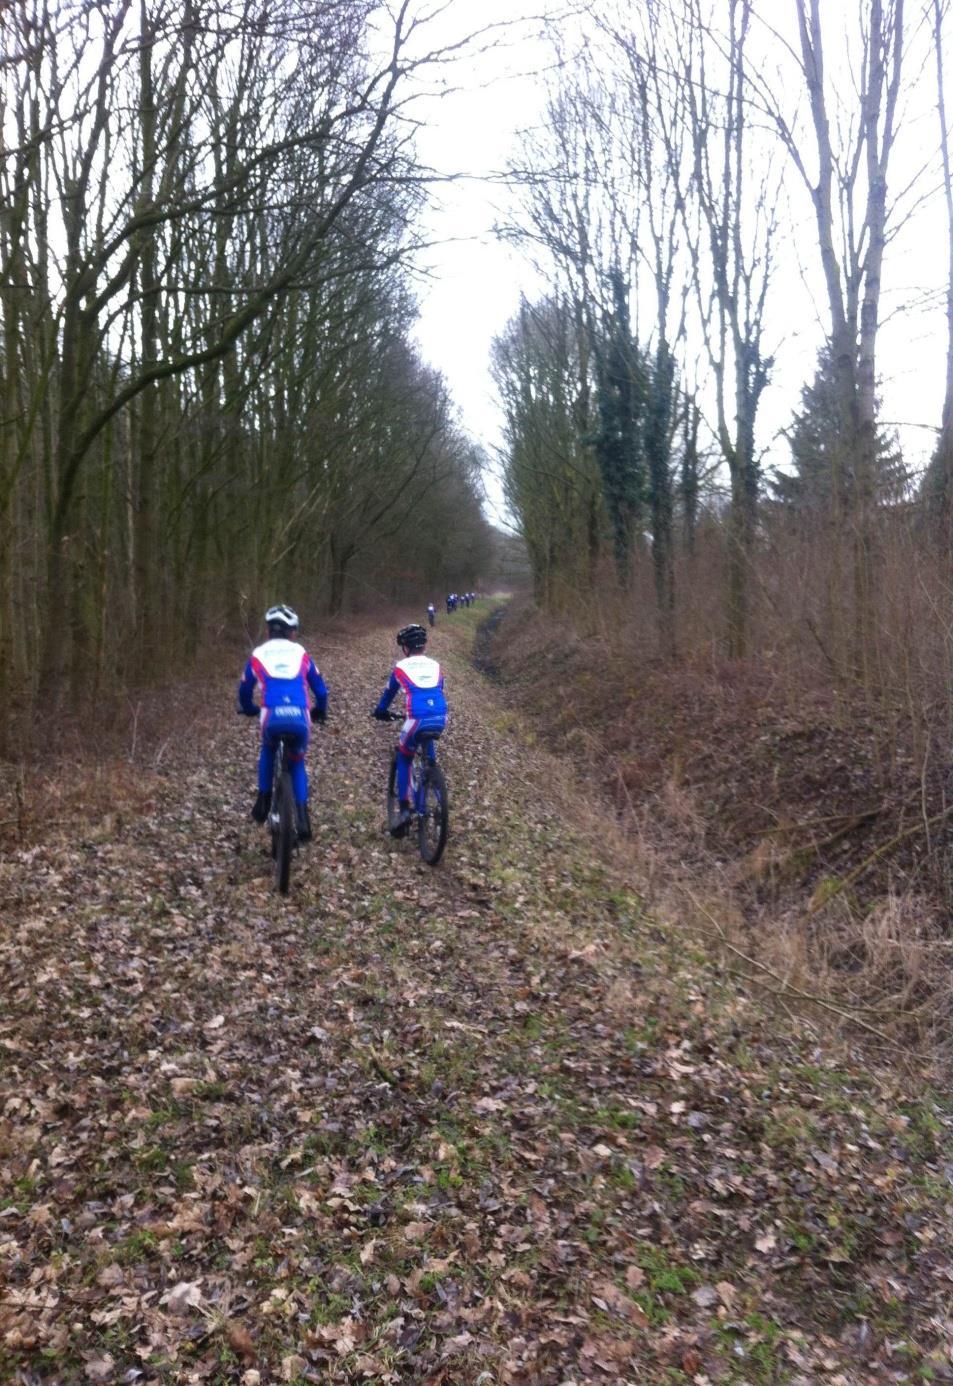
[804,829]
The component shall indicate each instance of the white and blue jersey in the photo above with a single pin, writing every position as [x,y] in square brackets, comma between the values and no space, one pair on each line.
[420,679]
[284,671]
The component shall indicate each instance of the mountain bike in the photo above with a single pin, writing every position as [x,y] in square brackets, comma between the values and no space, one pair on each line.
[428,796]
[281,820]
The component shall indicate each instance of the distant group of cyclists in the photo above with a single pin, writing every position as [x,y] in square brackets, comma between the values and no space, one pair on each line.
[284,673]
[455,599]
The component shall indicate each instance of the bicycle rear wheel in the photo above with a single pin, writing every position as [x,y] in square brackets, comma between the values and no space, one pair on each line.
[433,822]
[285,832]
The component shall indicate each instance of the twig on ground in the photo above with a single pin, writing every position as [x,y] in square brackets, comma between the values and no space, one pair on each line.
[863,867]
[785,989]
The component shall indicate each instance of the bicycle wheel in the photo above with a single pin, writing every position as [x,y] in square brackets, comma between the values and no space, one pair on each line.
[432,823]
[285,835]
[393,803]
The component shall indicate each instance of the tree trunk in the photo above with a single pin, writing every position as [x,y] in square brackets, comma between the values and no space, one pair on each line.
[943,459]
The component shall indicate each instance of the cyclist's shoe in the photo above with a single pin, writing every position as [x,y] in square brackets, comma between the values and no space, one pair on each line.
[303,822]
[402,821]
[261,806]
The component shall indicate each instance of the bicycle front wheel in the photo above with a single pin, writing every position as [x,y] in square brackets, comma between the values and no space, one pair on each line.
[284,833]
[393,803]
[434,820]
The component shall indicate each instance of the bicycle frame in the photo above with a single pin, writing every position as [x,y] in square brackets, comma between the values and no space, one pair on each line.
[425,753]
[428,799]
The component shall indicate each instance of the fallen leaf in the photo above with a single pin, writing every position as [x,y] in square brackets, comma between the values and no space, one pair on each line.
[182,1297]
[240,1339]
[608,1296]
[726,1293]
[100,1368]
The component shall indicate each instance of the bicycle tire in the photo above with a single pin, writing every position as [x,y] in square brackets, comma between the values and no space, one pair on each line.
[392,803]
[433,823]
[285,836]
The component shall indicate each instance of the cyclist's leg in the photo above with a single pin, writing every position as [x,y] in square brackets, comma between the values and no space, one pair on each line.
[295,753]
[266,757]
[266,770]
[299,773]
[406,747]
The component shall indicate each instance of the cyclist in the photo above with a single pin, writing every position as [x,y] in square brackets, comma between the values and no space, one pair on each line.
[285,671]
[421,680]
[431,615]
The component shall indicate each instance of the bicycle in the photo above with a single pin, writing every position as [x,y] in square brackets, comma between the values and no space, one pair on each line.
[428,796]
[282,818]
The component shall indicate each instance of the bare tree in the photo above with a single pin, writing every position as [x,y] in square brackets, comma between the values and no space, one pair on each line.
[696,81]
[848,189]
[943,457]
[185,189]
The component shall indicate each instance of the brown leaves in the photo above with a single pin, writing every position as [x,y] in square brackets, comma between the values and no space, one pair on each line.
[608,1297]
[344,1335]
[239,1340]
[184,1296]
[577,1177]
[100,1367]
[416,1231]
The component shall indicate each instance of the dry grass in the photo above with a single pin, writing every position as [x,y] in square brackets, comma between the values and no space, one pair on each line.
[799,830]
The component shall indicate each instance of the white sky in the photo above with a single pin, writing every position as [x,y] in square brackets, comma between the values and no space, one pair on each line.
[470,282]
[473,283]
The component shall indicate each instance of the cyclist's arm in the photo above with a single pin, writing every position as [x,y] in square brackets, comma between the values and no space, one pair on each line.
[318,687]
[246,686]
[389,694]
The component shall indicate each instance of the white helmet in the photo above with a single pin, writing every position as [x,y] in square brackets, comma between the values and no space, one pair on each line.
[281,620]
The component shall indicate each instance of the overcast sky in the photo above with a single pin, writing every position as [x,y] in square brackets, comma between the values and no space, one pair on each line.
[472,283]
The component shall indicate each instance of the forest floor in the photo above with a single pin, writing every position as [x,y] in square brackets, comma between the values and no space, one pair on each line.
[490,1123]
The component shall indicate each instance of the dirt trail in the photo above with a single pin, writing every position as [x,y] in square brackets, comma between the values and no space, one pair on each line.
[485,1124]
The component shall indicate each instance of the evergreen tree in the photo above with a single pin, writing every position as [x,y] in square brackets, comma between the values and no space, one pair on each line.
[621,389]
[823,481]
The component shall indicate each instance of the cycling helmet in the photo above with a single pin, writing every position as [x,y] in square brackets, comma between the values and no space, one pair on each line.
[412,637]
[281,620]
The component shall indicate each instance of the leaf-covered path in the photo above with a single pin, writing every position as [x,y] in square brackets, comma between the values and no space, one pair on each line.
[490,1123]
